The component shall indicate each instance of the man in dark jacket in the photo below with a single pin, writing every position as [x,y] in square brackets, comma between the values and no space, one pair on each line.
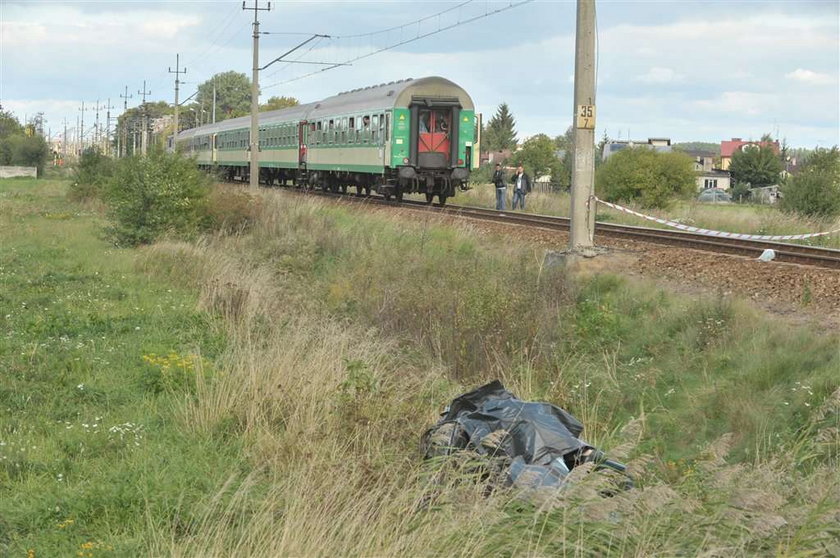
[521,186]
[501,187]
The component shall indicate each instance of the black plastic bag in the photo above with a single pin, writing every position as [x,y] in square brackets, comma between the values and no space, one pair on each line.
[538,442]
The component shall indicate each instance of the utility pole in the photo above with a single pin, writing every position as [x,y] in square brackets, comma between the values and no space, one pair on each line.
[108,108]
[214,99]
[143,138]
[254,147]
[64,144]
[582,227]
[123,131]
[82,129]
[177,73]
[96,131]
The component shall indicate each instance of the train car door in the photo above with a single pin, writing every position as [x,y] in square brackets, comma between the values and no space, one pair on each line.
[434,145]
[302,135]
[214,146]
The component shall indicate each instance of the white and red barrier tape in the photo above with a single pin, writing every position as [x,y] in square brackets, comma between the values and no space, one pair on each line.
[709,232]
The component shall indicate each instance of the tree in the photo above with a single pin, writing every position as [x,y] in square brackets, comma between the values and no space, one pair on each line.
[17,147]
[756,165]
[277,103]
[815,190]
[130,122]
[537,156]
[646,176]
[233,95]
[499,133]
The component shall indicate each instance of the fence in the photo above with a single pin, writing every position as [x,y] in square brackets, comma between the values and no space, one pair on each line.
[14,172]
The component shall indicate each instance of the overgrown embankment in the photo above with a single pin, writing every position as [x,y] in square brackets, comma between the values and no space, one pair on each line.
[344,335]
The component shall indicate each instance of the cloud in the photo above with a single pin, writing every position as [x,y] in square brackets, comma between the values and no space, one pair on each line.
[810,77]
[743,102]
[660,75]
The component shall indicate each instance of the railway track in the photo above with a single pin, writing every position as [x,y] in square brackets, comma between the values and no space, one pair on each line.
[789,253]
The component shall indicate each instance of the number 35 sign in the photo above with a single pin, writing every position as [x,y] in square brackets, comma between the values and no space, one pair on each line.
[585,117]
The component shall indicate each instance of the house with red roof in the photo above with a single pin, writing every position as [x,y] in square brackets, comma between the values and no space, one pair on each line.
[727,148]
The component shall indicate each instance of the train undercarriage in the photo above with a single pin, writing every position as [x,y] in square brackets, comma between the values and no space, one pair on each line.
[394,183]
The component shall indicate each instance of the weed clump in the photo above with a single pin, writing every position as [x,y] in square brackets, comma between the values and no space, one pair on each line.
[161,194]
[91,175]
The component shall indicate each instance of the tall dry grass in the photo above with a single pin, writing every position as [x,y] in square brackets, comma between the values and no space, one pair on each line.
[333,373]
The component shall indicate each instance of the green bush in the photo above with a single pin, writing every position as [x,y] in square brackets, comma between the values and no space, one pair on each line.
[91,175]
[815,191]
[160,194]
[650,178]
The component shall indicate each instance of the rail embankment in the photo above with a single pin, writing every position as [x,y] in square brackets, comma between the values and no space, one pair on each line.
[261,390]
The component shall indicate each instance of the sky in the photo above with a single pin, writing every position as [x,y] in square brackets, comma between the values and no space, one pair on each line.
[690,71]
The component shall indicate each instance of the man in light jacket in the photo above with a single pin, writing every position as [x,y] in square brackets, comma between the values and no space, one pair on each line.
[521,186]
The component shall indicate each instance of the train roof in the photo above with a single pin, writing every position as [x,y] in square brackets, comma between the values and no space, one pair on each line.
[396,94]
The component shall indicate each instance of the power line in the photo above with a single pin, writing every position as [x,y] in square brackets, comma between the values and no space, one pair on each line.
[406,41]
[404,25]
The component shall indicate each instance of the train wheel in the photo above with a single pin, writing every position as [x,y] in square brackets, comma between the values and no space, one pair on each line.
[429,197]
[367,191]
[442,199]
[387,196]
[344,189]
[360,191]
[399,195]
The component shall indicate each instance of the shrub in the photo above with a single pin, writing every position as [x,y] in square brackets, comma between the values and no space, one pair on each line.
[646,176]
[231,210]
[815,191]
[91,175]
[162,193]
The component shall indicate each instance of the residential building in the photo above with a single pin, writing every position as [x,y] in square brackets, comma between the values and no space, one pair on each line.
[713,178]
[663,145]
[728,148]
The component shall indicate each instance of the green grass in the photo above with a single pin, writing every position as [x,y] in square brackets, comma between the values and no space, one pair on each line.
[329,339]
[86,430]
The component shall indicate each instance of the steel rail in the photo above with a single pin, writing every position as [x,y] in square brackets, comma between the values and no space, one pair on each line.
[788,253]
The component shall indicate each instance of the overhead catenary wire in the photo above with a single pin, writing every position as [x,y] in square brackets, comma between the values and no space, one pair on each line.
[402,42]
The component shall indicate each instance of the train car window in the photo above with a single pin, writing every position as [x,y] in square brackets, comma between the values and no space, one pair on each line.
[319,125]
[376,121]
[352,123]
[387,126]
[331,125]
[344,123]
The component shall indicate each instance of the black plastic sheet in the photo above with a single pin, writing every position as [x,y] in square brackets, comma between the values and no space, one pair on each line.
[539,442]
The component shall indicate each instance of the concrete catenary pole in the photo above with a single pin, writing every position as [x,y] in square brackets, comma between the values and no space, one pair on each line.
[254,144]
[145,130]
[582,228]
[177,73]
[214,99]
[96,130]
[123,129]
[108,108]
[82,128]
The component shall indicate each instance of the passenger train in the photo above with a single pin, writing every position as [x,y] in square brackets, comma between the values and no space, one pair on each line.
[409,136]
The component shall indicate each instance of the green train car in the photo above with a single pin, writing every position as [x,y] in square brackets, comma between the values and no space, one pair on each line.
[409,136]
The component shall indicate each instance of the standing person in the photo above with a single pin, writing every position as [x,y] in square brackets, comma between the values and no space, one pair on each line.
[521,186]
[501,187]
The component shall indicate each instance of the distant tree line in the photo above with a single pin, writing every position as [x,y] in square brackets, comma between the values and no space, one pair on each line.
[21,145]
[232,99]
